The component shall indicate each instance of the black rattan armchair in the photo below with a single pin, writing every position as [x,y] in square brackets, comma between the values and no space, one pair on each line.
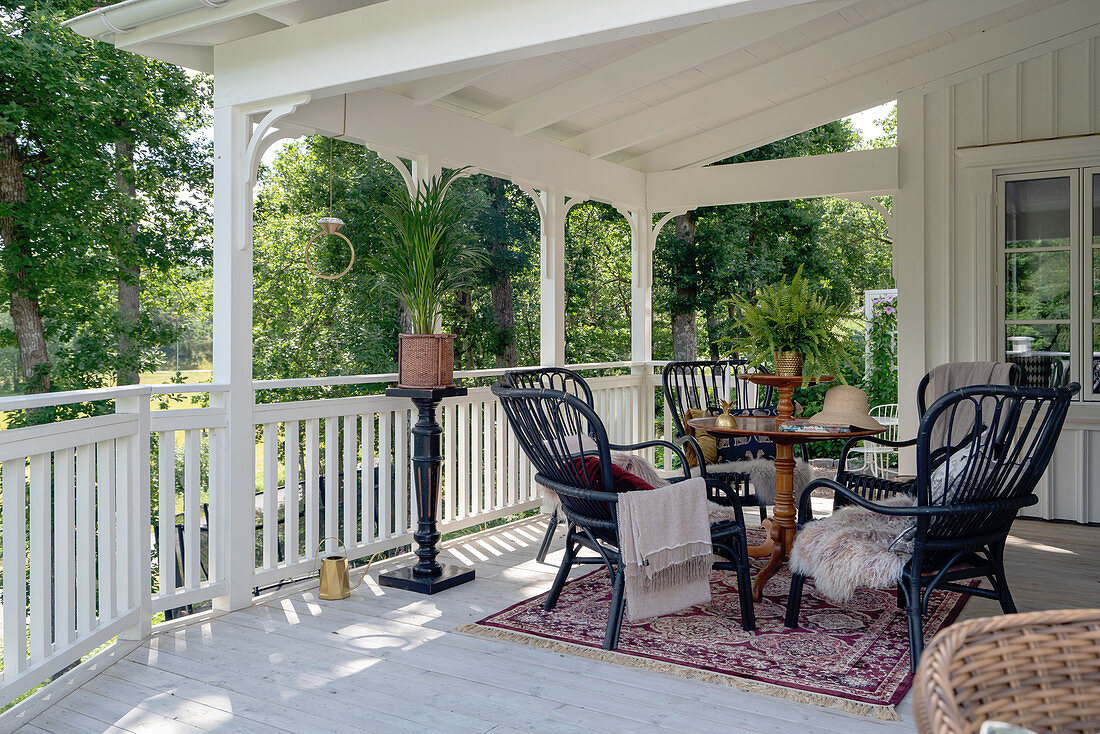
[546,422]
[1006,436]
[701,386]
[878,488]
[571,383]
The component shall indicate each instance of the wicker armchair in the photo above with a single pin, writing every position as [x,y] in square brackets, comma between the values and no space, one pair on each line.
[967,494]
[546,424]
[1039,670]
[571,383]
[700,386]
[875,488]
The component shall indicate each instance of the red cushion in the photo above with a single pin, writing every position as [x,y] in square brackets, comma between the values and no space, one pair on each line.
[621,479]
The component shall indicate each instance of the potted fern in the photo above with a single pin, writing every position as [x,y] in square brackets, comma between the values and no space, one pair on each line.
[429,257]
[795,328]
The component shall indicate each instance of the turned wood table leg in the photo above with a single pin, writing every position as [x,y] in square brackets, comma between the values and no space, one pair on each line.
[782,525]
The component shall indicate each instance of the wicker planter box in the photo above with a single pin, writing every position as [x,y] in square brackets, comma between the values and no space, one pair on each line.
[425,360]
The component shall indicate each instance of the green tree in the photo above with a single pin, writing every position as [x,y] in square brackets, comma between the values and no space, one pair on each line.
[102,174]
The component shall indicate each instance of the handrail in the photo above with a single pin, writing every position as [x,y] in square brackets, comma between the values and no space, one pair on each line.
[68,397]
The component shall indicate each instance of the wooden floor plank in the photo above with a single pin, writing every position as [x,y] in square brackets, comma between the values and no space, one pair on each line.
[385,660]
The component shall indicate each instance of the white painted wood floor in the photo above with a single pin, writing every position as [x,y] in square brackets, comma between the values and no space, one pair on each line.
[389,661]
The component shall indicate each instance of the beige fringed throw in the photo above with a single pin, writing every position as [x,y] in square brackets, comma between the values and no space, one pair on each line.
[664,536]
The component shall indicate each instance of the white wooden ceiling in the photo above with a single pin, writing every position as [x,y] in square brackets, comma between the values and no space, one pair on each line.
[689,96]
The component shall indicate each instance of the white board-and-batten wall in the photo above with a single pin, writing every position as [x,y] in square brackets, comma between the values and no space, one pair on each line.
[1038,109]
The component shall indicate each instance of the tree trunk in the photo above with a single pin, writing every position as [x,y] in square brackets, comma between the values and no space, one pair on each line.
[26,314]
[684,336]
[501,291]
[504,314]
[129,274]
[464,351]
[712,332]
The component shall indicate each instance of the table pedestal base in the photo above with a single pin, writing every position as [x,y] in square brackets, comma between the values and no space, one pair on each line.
[777,548]
[407,579]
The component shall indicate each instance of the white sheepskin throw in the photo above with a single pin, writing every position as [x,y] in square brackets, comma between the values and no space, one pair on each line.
[850,549]
[762,476]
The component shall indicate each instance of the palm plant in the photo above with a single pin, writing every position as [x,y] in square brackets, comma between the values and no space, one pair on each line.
[429,254]
[793,317]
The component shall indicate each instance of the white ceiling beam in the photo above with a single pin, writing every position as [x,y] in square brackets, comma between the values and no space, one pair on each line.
[425,91]
[854,95]
[641,68]
[403,40]
[383,120]
[195,19]
[864,172]
[818,60]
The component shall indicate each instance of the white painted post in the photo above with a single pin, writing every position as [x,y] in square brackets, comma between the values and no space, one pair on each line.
[233,350]
[909,266]
[552,278]
[642,240]
[135,547]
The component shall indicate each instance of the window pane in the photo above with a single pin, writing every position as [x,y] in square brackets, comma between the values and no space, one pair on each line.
[1037,213]
[1096,283]
[1096,358]
[1036,285]
[1030,339]
[1096,208]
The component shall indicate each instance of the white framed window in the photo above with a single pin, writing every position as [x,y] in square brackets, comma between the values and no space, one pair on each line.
[1048,275]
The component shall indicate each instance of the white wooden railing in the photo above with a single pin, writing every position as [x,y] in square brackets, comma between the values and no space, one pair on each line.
[88,557]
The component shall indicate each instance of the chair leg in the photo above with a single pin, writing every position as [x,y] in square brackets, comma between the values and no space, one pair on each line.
[916,629]
[1000,583]
[549,537]
[794,601]
[744,594]
[763,512]
[615,616]
[563,572]
[901,597]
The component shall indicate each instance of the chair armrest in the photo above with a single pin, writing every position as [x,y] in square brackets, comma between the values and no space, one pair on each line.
[805,513]
[657,442]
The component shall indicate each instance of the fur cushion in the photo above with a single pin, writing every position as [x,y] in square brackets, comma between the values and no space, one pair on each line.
[851,549]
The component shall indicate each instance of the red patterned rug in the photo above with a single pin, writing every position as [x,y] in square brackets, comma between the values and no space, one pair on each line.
[853,657]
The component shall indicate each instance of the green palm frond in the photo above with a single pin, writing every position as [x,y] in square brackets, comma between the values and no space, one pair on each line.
[430,255]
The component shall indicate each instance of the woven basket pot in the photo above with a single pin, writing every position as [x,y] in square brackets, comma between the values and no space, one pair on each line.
[425,360]
[788,364]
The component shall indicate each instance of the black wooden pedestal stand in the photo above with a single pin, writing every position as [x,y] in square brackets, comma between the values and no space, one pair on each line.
[427,576]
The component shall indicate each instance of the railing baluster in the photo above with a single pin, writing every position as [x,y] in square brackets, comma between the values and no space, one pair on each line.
[105,511]
[41,569]
[449,493]
[192,507]
[292,502]
[477,430]
[85,539]
[351,481]
[463,508]
[166,496]
[385,470]
[488,469]
[501,489]
[369,484]
[402,499]
[313,474]
[270,517]
[64,462]
[332,481]
[15,567]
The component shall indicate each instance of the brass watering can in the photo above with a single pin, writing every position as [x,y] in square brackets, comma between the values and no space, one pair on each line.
[334,573]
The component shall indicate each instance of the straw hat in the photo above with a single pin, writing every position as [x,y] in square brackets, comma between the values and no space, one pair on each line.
[846,406]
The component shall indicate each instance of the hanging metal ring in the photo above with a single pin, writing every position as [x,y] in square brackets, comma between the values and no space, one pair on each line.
[309,263]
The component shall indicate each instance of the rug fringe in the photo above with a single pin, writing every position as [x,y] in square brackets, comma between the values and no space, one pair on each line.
[877,711]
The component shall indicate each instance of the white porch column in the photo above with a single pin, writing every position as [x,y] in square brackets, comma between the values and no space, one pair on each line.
[233,351]
[553,207]
[909,266]
[642,240]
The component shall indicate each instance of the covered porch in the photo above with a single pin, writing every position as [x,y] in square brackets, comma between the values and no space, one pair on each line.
[572,103]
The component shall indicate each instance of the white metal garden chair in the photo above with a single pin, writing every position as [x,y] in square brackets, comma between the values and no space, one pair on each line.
[880,461]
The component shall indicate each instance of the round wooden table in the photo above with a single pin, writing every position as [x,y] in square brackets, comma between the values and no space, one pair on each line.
[782,526]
